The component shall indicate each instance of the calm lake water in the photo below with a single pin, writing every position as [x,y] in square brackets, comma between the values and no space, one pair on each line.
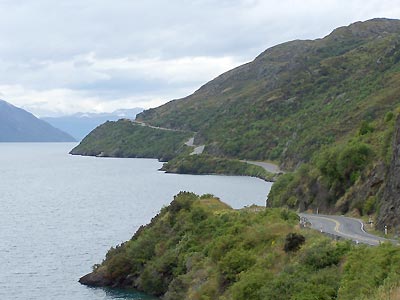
[60,214]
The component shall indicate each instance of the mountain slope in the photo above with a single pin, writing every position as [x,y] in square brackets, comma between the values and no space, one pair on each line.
[18,125]
[80,124]
[324,109]
[273,107]
[125,138]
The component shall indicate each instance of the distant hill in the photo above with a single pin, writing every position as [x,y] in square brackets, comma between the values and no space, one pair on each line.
[80,124]
[18,125]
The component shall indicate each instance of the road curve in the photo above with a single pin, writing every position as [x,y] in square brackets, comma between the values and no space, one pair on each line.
[269,167]
[156,127]
[347,228]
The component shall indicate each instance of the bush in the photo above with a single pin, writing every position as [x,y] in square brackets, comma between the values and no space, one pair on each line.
[343,164]
[293,242]
[183,200]
[368,268]
[389,116]
[352,159]
[369,205]
[365,128]
[235,262]
[324,254]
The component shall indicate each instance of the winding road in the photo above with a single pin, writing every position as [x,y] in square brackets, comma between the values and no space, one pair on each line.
[155,127]
[344,227]
[269,167]
[197,149]
[340,226]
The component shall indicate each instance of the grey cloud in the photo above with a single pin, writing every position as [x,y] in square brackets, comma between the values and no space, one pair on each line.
[45,43]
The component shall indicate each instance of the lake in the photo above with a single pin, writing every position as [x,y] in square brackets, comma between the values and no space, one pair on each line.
[60,214]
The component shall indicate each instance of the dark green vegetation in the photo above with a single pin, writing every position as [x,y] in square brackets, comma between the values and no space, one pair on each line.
[337,170]
[127,139]
[207,164]
[199,248]
[349,176]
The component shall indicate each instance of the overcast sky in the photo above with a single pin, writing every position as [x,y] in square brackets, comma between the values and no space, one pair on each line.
[65,56]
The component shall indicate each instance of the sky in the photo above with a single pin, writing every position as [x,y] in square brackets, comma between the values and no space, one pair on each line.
[67,56]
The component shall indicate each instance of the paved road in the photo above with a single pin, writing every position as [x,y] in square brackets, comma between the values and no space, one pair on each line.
[348,228]
[190,142]
[198,149]
[270,167]
[155,127]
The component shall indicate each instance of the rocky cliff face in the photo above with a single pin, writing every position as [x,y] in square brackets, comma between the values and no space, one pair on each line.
[389,213]
[369,186]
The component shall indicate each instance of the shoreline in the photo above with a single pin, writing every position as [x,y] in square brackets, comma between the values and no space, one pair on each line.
[273,170]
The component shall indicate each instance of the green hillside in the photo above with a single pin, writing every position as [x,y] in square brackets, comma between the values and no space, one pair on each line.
[325,110]
[125,138]
[329,111]
[295,97]
[199,248]
[337,171]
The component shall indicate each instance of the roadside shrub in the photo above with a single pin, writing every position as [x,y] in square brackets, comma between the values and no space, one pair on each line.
[235,262]
[342,165]
[293,242]
[324,253]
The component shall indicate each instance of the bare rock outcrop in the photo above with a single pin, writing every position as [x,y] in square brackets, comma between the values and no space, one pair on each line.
[389,213]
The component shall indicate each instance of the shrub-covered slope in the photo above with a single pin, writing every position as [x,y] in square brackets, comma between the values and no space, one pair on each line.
[295,97]
[125,138]
[207,164]
[199,248]
[325,109]
[359,175]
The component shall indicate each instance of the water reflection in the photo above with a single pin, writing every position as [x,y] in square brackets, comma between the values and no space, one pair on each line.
[108,293]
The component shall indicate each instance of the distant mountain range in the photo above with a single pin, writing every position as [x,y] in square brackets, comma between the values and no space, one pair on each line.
[80,124]
[18,125]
